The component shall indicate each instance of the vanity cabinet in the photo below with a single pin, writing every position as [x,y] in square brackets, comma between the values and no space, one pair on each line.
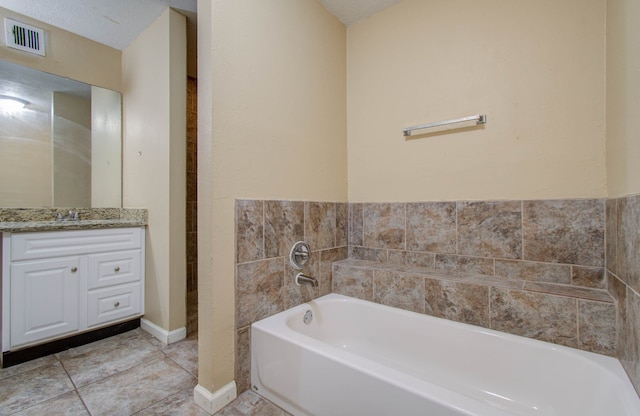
[61,283]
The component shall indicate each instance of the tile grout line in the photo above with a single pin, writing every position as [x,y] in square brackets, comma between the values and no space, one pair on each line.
[57,360]
[179,365]
[578,323]
[75,389]
[165,356]
[522,229]
[82,401]
[335,224]
[264,227]
[405,245]
[129,368]
[362,222]
[457,235]
[490,308]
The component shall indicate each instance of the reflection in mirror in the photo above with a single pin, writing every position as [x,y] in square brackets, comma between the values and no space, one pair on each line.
[60,141]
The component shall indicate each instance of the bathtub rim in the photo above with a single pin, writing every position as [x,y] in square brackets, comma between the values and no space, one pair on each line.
[438,394]
[273,322]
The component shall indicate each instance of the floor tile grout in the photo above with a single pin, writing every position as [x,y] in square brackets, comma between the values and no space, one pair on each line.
[156,351]
[164,356]
[170,381]
[75,388]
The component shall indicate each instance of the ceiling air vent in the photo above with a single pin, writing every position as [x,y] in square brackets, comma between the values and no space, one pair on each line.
[24,37]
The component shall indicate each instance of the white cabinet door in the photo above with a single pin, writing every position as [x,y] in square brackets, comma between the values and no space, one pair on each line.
[44,299]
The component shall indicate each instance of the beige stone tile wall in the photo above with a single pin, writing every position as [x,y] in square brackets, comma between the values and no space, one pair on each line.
[577,317]
[192,205]
[265,233]
[623,277]
[532,268]
[555,241]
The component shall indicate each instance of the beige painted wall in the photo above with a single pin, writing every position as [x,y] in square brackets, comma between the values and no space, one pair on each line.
[623,97]
[271,124]
[106,148]
[154,162]
[25,147]
[68,55]
[536,68]
[71,132]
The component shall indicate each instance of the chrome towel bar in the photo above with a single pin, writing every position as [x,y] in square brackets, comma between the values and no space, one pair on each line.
[478,118]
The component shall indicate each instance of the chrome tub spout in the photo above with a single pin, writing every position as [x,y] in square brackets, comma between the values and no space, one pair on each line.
[302,279]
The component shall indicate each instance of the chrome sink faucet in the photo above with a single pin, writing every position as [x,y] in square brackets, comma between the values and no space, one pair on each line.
[71,216]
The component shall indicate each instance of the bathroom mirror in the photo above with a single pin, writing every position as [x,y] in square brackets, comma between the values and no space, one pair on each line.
[60,141]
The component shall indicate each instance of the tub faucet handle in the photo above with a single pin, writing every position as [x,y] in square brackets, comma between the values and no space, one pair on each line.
[299,255]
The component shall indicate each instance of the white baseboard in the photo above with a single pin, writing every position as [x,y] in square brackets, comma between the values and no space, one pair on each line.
[167,337]
[212,402]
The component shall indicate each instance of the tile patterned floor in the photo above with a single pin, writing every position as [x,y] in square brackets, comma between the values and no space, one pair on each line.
[250,404]
[131,373]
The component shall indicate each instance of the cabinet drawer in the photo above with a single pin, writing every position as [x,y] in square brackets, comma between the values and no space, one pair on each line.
[113,303]
[109,269]
[27,246]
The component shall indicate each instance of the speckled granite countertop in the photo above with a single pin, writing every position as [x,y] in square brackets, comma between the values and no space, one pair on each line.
[43,219]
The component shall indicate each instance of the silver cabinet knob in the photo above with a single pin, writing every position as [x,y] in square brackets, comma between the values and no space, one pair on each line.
[117,269]
[116,304]
[74,269]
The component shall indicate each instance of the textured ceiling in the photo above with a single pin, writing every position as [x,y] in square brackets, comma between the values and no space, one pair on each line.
[350,11]
[117,23]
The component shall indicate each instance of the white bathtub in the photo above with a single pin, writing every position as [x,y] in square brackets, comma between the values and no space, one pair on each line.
[361,358]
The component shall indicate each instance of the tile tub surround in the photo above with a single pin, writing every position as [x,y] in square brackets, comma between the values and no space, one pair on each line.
[489,263]
[583,318]
[552,241]
[623,278]
[265,232]
[531,268]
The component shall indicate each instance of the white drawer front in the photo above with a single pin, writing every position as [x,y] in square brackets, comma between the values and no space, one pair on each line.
[115,268]
[25,246]
[113,303]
